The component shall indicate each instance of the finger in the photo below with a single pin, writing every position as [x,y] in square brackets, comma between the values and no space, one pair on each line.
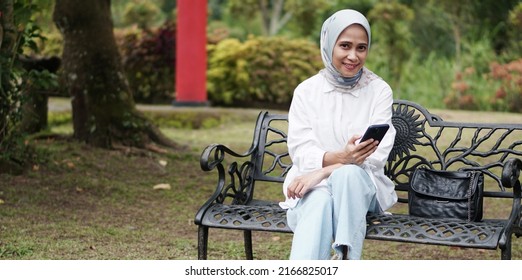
[370,147]
[298,190]
[293,190]
[367,154]
[354,138]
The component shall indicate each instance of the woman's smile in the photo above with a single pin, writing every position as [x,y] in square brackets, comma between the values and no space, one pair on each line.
[350,66]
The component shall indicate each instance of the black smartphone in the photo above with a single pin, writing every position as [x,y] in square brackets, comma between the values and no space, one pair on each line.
[375,132]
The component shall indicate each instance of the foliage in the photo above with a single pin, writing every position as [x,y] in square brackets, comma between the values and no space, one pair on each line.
[148,60]
[432,34]
[52,43]
[461,95]
[508,96]
[277,15]
[142,13]
[306,20]
[363,6]
[515,26]
[260,70]
[18,35]
[424,80]
[492,16]
[391,26]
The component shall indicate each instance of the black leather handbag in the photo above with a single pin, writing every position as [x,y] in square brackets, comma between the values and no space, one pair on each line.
[446,194]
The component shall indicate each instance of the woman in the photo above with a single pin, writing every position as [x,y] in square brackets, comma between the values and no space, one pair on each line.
[334,180]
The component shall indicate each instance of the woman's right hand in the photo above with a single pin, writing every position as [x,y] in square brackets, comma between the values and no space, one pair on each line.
[353,152]
[356,153]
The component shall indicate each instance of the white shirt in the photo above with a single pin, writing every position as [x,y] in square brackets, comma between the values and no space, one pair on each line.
[321,119]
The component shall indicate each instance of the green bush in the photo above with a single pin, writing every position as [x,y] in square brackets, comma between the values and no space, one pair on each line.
[149,62]
[261,71]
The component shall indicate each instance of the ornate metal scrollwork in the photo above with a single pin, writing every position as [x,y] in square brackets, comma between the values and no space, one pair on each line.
[422,139]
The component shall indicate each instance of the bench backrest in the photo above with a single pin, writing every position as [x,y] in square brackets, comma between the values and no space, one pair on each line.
[422,139]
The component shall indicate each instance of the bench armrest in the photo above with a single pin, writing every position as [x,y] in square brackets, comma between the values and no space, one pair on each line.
[511,172]
[510,175]
[235,175]
[214,155]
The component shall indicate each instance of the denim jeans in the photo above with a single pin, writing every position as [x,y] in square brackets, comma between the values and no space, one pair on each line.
[327,218]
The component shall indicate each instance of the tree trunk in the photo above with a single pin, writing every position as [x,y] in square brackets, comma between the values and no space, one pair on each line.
[7,51]
[104,113]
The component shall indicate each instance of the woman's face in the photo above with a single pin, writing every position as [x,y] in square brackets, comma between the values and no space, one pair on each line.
[350,50]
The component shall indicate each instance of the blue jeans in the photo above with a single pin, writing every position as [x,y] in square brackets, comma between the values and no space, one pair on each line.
[336,214]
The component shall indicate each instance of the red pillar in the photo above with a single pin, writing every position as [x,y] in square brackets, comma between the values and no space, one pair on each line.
[191,53]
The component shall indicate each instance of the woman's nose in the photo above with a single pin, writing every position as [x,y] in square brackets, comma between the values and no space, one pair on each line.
[351,54]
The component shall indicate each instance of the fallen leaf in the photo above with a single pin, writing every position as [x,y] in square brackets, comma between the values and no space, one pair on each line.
[162,187]
[36,167]
[2,201]
[163,162]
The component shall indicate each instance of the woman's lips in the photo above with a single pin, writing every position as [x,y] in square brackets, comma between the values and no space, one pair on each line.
[350,67]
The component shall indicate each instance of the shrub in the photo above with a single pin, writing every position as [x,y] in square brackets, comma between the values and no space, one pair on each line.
[141,12]
[423,79]
[148,60]
[508,95]
[261,71]
[462,94]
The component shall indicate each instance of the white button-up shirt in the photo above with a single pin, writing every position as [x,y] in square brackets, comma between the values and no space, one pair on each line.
[323,119]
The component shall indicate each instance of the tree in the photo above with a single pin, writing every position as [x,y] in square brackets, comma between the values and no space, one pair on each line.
[104,112]
[16,32]
[391,26]
[8,42]
[460,16]
[275,14]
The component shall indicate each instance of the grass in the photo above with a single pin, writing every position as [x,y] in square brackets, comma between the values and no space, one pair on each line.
[80,202]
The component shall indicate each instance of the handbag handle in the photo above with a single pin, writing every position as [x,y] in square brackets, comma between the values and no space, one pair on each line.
[469,194]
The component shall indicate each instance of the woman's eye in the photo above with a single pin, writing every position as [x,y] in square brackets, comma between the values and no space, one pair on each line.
[344,45]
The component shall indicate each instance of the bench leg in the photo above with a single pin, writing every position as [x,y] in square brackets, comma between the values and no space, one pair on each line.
[202,242]
[506,251]
[247,236]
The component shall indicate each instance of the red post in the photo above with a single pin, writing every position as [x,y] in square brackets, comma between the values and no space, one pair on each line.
[191,53]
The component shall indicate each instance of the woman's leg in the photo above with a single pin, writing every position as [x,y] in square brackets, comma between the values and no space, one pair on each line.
[354,196]
[311,222]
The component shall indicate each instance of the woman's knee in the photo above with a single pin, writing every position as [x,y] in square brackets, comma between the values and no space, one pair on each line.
[320,199]
[316,204]
[348,169]
[352,176]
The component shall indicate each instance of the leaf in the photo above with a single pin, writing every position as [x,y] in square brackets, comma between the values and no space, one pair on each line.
[162,187]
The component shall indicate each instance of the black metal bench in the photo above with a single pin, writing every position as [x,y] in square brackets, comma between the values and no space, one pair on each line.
[422,139]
